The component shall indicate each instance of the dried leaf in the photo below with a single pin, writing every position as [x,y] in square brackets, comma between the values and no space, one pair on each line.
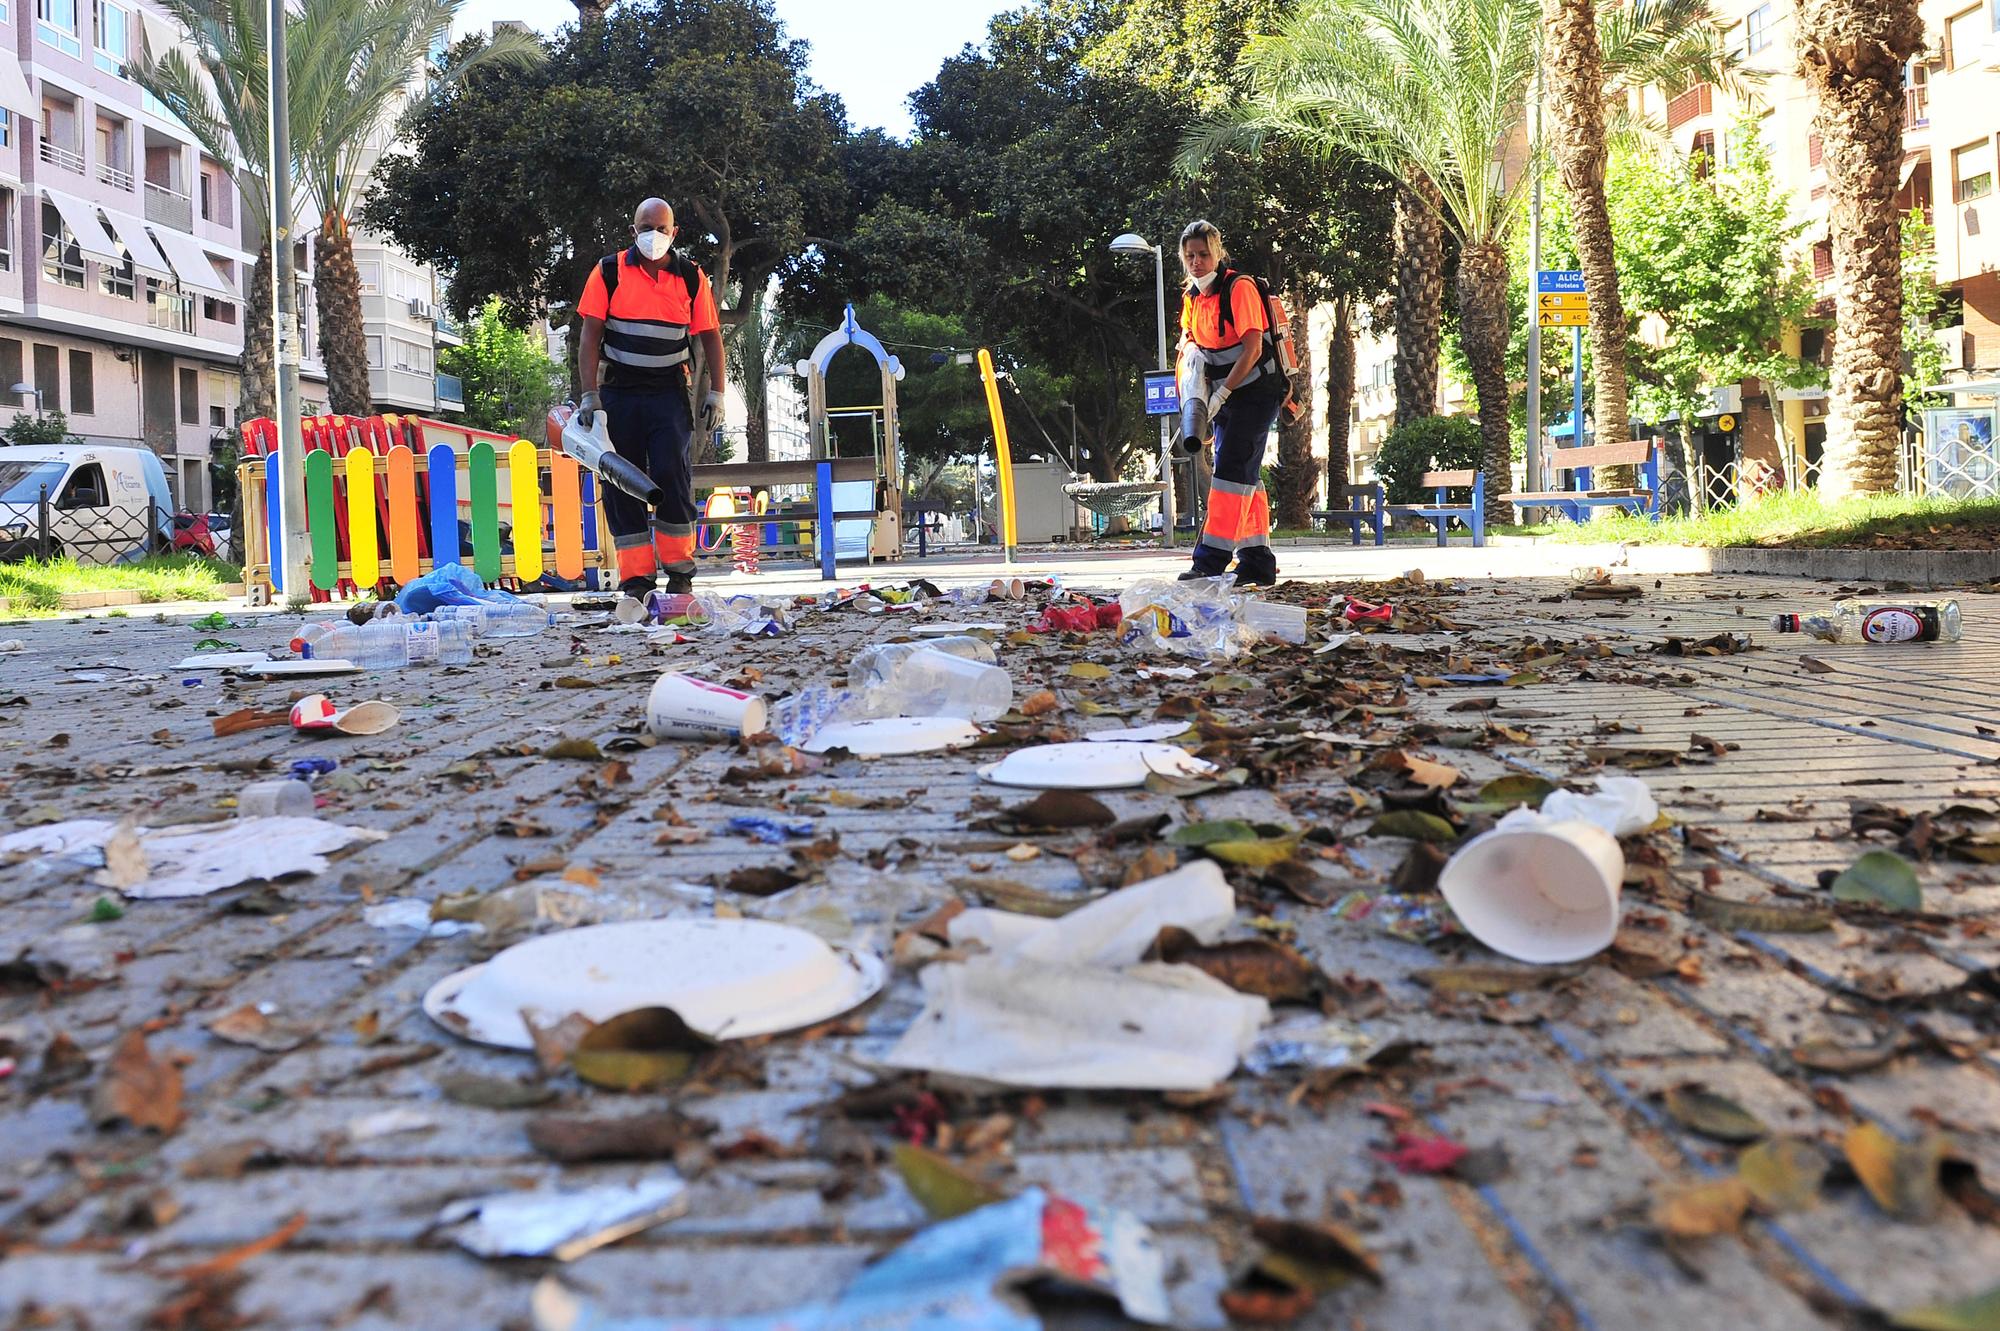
[1508,791]
[1062,809]
[1880,878]
[1258,966]
[1783,1174]
[1697,1108]
[1418,1154]
[1701,1210]
[1420,771]
[582,749]
[1088,670]
[1039,703]
[1478,978]
[1414,824]
[945,1188]
[1304,882]
[1902,1177]
[1316,1255]
[235,1257]
[246,1025]
[1760,917]
[1846,1060]
[1202,834]
[652,1136]
[639,1050]
[137,1088]
[1263,853]
[1980,1312]
[467,1088]
[1815,666]
[761,880]
[249,718]
[1633,759]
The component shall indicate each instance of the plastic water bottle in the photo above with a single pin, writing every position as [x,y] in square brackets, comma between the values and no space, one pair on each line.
[311,633]
[391,644]
[884,659]
[1878,621]
[910,679]
[498,619]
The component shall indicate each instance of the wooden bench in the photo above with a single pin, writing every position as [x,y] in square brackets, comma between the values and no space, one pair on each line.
[1364,505]
[1578,462]
[1440,512]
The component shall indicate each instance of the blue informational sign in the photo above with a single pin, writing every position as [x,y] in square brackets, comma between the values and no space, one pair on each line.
[1163,396]
[1559,282]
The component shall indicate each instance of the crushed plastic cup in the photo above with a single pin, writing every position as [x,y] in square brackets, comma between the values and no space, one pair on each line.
[1275,619]
[1537,889]
[683,707]
[315,713]
[283,798]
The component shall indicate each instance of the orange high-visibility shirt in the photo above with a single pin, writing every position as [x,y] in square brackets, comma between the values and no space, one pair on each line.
[1201,315]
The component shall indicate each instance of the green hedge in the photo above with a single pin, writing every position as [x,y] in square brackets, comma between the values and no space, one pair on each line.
[1431,443]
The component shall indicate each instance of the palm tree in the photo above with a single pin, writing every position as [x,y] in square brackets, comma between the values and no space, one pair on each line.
[1424,89]
[362,62]
[1852,53]
[1419,298]
[348,63]
[1590,56]
[1339,401]
[221,96]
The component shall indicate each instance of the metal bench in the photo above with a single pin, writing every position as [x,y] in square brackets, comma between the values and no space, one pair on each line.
[1440,511]
[1579,462]
[1364,505]
[821,474]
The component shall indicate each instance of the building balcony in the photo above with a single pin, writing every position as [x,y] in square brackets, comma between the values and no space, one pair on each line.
[56,155]
[450,391]
[169,207]
[112,176]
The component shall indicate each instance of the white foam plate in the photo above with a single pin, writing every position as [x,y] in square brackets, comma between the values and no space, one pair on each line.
[331,666]
[222,660]
[1085,766]
[1140,734]
[945,630]
[728,979]
[895,734]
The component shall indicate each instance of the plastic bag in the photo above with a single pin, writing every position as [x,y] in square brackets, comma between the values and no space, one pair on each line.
[448,584]
[1201,618]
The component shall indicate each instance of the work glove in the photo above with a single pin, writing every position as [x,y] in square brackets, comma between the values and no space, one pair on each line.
[586,410]
[711,412]
[1215,401]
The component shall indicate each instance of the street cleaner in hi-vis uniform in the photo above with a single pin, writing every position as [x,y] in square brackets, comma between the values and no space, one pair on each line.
[650,326]
[1226,314]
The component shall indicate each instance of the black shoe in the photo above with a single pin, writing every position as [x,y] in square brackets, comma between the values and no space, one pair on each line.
[638,587]
[680,584]
[1196,575]
[1261,578]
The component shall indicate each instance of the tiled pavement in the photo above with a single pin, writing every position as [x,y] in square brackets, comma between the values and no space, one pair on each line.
[1557,1240]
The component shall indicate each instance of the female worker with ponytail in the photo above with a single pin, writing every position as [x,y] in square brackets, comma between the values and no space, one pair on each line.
[1225,314]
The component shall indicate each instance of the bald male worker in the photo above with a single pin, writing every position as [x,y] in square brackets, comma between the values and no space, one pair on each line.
[641,309]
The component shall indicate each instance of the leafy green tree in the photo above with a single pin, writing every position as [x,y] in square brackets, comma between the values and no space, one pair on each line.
[1429,443]
[1709,254]
[509,378]
[48,427]
[520,181]
[1922,304]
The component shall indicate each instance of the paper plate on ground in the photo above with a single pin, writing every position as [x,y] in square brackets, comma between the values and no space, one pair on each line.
[221,661]
[1086,766]
[1141,734]
[728,979]
[895,734]
[315,666]
[945,630]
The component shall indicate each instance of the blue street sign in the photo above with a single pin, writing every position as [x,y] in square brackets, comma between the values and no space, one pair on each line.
[1163,397]
[1559,281]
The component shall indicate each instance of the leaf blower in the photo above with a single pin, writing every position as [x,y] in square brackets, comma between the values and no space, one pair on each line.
[592,448]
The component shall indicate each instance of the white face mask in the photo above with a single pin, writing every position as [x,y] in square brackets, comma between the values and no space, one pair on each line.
[654,244]
[1202,284]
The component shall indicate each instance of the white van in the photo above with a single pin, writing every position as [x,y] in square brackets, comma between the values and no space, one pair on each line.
[97,501]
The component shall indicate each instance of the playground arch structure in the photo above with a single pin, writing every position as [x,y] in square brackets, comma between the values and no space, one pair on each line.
[391,497]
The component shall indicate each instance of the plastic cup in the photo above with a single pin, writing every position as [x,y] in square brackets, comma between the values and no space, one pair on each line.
[1274,619]
[283,798]
[937,683]
[1546,893]
[683,707]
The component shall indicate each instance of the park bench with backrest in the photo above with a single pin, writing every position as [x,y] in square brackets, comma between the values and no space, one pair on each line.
[1440,512]
[1364,508]
[1579,462]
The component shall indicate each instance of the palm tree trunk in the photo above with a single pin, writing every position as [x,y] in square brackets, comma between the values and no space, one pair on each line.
[258,394]
[343,340]
[1852,53]
[1482,327]
[1575,65]
[1297,479]
[1419,297]
[1339,403]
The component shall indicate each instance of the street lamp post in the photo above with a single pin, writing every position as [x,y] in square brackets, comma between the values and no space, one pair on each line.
[22,390]
[1133,244]
[1075,458]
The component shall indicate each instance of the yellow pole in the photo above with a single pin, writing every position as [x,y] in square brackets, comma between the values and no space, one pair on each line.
[1003,459]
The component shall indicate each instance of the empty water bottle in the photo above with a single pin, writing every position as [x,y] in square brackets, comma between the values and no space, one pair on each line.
[1856,620]
[498,619]
[909,679]
[391,644]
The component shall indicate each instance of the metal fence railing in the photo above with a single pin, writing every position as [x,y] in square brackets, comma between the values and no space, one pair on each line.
[89,534]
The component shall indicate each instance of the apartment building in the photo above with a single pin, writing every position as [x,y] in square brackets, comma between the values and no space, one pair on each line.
[122,258]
